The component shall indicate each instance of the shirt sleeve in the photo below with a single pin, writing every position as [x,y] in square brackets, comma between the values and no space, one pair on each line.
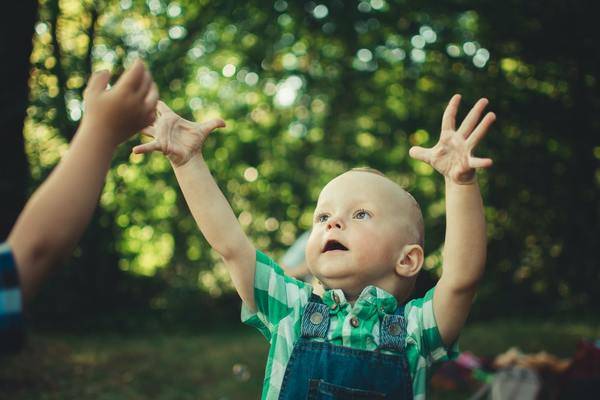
[276,295]
[12,333]
[423,330]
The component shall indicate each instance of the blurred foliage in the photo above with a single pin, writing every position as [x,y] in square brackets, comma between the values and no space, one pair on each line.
[309,90]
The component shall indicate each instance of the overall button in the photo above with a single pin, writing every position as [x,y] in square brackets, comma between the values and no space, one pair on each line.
[316,318]
[333,306]
[394,329]
[354,322]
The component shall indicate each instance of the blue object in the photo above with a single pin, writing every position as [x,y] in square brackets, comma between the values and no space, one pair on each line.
[12,332]
[320,370]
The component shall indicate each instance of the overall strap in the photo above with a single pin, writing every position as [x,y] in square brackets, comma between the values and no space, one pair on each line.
[392,332]
[315,320]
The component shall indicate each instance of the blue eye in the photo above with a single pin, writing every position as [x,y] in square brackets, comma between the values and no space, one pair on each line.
[322,218]
[362,214]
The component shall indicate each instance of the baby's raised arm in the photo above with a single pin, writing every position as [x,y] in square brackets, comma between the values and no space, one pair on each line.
[181,141]
[465,244]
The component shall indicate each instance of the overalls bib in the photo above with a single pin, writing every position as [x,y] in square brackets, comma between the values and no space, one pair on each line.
[324,371]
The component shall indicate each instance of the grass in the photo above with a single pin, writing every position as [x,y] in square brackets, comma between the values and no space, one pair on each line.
[225,364]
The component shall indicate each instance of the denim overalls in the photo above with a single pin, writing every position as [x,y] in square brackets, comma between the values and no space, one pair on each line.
[324,371]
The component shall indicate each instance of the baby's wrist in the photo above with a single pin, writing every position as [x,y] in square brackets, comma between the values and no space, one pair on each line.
[470,181]
[187,162]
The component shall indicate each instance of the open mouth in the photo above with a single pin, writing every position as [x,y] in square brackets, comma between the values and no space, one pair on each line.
[334,245]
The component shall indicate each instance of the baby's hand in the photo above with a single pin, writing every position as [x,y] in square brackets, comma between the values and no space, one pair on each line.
[176,137]
[124,109]
[451,156]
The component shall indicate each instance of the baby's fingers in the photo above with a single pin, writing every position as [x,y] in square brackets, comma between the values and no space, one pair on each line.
[420,153]
[476,162]
[481,130]
[149,131]
[162,107]
[213,124]
[472,117]
[147,147]
[449,117]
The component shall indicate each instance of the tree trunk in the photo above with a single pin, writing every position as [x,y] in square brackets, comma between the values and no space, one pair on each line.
[15,51]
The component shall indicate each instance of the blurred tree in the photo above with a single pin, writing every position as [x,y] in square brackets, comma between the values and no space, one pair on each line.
[14,171]
[61,67]
[546,182]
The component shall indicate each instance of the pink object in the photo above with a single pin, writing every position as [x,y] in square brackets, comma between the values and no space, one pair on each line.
[468,360]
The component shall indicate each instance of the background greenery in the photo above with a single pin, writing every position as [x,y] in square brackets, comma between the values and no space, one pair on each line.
[309,90]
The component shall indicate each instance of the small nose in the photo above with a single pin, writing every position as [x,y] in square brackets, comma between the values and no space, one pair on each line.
[334,222]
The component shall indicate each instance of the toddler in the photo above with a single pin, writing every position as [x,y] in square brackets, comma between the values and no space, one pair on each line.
[359,339]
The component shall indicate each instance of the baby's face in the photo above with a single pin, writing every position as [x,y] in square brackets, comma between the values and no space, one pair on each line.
[359,231]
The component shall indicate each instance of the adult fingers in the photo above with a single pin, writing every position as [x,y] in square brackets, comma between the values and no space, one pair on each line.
[151,98]
[481,130]
[134,76]
[419,153]
[449,117]
[472,118]
[476,162]
[146,84]
[147,147]
[97,82]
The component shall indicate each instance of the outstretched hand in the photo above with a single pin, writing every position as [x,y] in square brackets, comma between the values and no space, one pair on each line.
[176,137]
[451,156]
[126,108]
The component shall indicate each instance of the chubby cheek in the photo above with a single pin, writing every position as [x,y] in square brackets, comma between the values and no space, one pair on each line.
[375,247]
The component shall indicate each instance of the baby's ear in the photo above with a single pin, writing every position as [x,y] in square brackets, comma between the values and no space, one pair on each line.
[410,261]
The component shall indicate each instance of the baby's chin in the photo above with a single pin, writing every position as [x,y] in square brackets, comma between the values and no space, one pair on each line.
[332,268]
[341,279]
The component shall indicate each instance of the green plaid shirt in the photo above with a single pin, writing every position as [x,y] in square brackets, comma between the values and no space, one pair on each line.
[280,302]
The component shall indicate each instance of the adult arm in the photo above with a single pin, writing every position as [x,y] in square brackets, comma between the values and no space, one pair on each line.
[58,212]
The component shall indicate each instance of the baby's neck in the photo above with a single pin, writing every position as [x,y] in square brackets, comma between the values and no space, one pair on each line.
[352,297]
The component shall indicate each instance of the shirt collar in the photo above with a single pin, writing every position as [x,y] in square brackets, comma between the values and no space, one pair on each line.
[370,299]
